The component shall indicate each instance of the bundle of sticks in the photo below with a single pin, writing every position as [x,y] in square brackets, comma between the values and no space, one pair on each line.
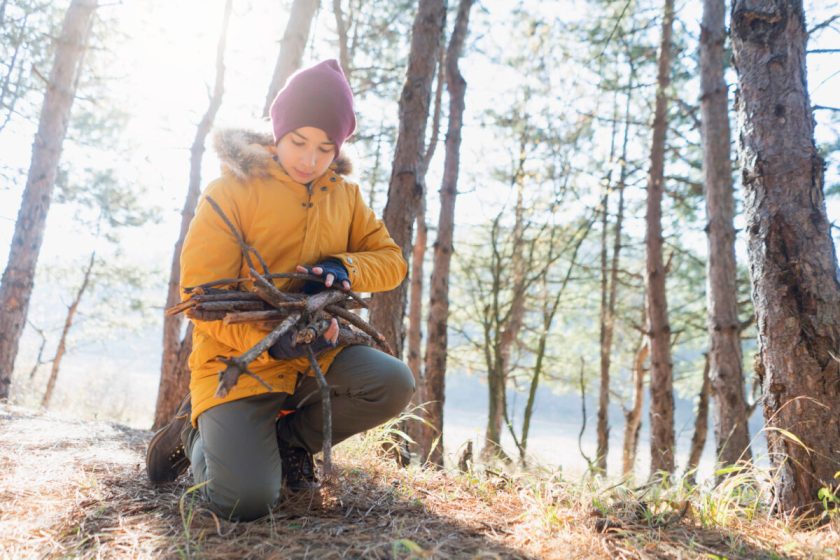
[306,317]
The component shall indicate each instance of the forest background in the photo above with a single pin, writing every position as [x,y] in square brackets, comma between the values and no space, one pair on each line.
[543,107]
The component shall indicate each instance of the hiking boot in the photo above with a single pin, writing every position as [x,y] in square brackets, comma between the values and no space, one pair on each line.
[166,458]
[298,468]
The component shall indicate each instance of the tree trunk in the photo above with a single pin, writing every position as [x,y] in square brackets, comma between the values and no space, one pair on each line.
[291,47]
[701,423]
[418,258]
[68,322]
[341,26]
[436,346]
[661,381]
[407,185]
[633,417]
[507,326]
[792,261]
[18,278]
[609,287]
[727,380]
[174,379]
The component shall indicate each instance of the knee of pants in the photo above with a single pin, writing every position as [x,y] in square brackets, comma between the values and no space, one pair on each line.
[243,502]
[399,387]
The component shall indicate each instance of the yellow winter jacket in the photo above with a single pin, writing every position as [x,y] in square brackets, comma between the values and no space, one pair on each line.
[289,224]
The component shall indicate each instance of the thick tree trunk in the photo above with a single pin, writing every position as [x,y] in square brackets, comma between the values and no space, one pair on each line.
[731,431]
[18,278]
[701,423]
[436,346]
[661,376]
[633,417]
[174,378]
[407,184]
[68,323]
[291,46]
[792,261]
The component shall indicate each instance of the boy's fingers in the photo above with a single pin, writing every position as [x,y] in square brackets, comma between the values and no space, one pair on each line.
[317,270]
[346,285]
[332,332]
[301,268]
[328,282]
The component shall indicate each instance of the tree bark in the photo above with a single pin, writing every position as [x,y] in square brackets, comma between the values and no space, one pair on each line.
[727,380]
[418,257]
[661,379]
[701,423]
[341,26]
[633,417]
[174,377]
[18,278]
[407,185]
[793,265]
[68,323]
[507,327]
[291,47]
[437,342]
[609,286]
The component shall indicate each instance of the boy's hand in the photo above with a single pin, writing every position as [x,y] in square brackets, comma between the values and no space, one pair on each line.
[332,270]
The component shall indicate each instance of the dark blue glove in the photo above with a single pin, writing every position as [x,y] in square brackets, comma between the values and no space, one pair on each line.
[329,266]
[283,349]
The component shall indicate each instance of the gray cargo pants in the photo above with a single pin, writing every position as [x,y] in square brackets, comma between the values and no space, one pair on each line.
[234,453]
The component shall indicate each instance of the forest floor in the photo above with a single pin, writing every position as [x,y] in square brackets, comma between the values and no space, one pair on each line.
[71,489]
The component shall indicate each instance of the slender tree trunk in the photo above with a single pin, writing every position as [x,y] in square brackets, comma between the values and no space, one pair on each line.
[418,258]
[792,261]
[341,30]
[507,326]
[18,278]
[436,346]
[407,185]
[701,423]
[68,323]
[633,417]
[727,380]
[291,46]
[174,378]
[607,310]
[661,379]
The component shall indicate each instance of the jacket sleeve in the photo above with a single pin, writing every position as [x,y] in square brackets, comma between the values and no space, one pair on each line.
[211,252]
[374,261]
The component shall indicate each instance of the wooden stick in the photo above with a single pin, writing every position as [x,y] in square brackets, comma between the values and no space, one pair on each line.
[240,305]
[205,315]
[362,325]
[327,413]
[237,366]
[259,316]
[320,300]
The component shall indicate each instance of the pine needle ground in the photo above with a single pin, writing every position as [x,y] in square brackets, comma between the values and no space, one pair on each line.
[72,489]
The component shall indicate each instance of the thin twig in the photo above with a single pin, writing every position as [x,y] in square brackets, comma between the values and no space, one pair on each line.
[327,413]
[246,249]
[237,366]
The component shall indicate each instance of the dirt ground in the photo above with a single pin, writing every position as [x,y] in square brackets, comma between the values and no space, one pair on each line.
[71,489]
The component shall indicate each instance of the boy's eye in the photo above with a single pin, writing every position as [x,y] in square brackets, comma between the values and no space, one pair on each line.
[297,143]
[325,150]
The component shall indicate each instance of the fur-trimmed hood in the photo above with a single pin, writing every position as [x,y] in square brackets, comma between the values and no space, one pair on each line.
[246,153]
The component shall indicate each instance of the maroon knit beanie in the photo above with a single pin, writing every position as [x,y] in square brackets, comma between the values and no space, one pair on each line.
[318,96]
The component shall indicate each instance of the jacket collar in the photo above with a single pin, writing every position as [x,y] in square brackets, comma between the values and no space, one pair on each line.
[247,155]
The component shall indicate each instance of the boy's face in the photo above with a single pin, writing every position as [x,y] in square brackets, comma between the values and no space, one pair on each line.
[305,153]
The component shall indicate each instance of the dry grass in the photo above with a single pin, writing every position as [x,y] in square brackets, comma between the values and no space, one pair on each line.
[77,490]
